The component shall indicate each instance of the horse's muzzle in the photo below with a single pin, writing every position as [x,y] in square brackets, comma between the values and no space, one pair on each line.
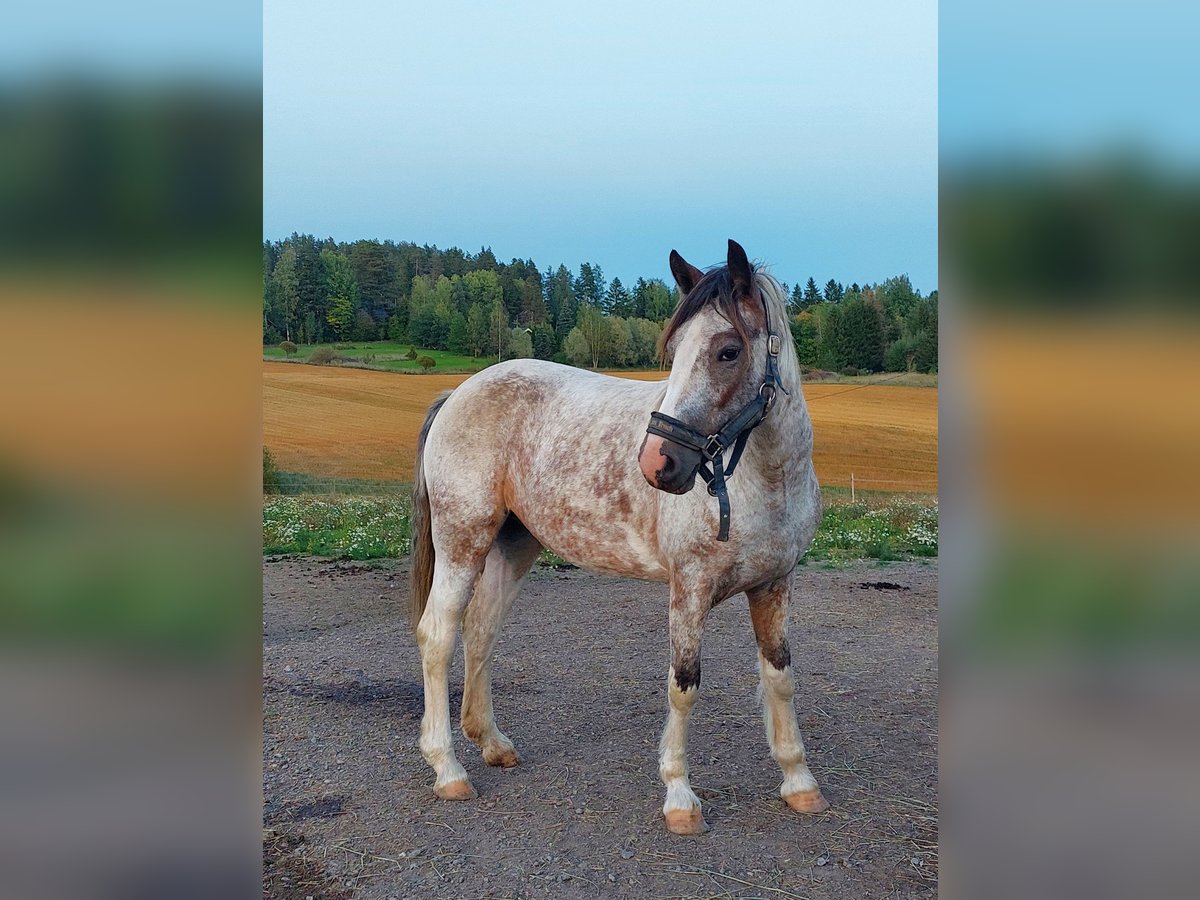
[668,466]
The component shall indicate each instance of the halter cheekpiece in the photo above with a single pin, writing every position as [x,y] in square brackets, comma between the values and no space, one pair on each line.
[732,437]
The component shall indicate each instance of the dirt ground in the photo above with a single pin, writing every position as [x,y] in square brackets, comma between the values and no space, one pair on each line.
[580,687]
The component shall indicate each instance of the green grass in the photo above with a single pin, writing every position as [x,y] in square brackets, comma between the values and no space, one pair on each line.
[297,484]
[345,527]
[389,355]
[897,527]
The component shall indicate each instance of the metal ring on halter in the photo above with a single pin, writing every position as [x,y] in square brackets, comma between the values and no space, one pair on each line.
[766,385]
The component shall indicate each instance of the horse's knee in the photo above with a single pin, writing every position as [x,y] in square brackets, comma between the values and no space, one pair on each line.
[685,675]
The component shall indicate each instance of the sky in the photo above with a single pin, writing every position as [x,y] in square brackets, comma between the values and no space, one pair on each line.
[1068,80]
[611,132]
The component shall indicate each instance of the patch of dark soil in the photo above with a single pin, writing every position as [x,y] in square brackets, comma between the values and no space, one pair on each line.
[322,808]
[882,586]
[407,696]
[289,875]
[344,568]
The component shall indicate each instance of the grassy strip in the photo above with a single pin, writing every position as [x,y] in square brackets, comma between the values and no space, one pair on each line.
[388,355]
[300,484]
[883,527]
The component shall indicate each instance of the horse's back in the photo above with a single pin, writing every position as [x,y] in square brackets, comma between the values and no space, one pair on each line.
[525,394]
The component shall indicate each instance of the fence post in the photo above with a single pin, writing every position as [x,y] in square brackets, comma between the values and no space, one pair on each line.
[851,487]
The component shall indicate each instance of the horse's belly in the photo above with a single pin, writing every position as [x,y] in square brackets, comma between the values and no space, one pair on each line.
[591,536]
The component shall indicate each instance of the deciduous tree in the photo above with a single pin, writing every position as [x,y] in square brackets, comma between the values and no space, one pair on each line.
[594,328]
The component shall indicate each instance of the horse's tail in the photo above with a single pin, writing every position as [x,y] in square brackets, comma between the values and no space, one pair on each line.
[422,526]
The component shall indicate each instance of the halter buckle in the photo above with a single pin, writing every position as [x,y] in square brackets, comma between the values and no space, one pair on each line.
[774,344]
[713,447]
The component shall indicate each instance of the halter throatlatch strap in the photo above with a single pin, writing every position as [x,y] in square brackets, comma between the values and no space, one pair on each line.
[732,437]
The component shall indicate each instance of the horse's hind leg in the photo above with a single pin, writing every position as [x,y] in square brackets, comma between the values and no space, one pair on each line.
[454,578]
[507,563]
[768,613]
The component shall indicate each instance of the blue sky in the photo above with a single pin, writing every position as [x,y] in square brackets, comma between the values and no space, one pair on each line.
[611,132]
[1069,80]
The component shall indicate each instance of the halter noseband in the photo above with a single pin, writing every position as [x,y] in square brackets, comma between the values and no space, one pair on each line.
[733,435]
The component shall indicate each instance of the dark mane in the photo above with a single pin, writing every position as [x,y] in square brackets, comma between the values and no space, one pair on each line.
[716,287]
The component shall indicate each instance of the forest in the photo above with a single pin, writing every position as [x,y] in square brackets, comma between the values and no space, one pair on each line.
[322,291]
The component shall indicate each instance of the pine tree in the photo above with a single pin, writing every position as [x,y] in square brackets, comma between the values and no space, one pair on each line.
[545,341]
[589,286]
[561,300]
[833,291]
[533,307]
[862,337]
[796,303]
[617,300]
[310,287]
[548,295]
[375,272]
[812,296]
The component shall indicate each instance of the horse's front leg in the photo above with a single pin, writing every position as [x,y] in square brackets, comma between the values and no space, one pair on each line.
[682,807]
[769,612]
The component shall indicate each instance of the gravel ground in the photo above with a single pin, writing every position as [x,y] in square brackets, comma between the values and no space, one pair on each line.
[580,687]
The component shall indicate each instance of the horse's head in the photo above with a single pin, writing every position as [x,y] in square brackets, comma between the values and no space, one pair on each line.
[717,342]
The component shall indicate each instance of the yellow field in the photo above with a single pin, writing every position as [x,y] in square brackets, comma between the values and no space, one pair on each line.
[355,423]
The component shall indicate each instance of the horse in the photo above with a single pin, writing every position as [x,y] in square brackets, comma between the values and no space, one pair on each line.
[529,454]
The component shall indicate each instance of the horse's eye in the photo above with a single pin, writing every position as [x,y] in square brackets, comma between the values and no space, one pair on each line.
[729,354]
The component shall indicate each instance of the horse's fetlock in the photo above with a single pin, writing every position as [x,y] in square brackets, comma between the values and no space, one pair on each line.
[789,757]
[474,731]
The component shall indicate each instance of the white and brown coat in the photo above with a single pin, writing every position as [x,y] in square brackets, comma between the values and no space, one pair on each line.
[529,454]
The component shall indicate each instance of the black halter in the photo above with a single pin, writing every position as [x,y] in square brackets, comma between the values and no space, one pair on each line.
[712,448]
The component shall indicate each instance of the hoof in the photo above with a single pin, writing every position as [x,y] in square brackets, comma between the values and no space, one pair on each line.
[503,757]
[685,821]
[456,790]
[807,801]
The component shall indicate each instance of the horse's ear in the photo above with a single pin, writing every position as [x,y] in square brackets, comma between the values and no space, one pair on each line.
[740,271]
[686,275]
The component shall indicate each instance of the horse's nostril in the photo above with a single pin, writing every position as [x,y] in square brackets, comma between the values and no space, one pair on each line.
[667,469]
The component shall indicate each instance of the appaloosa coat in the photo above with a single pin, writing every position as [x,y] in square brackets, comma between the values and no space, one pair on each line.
[530,454]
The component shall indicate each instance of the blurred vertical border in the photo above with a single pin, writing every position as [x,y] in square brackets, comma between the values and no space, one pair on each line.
[1070,423]
[130,587]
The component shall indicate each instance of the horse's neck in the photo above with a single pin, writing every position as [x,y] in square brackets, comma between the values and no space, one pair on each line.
[784,439]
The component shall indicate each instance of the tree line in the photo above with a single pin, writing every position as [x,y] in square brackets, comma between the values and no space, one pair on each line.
[320,291]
